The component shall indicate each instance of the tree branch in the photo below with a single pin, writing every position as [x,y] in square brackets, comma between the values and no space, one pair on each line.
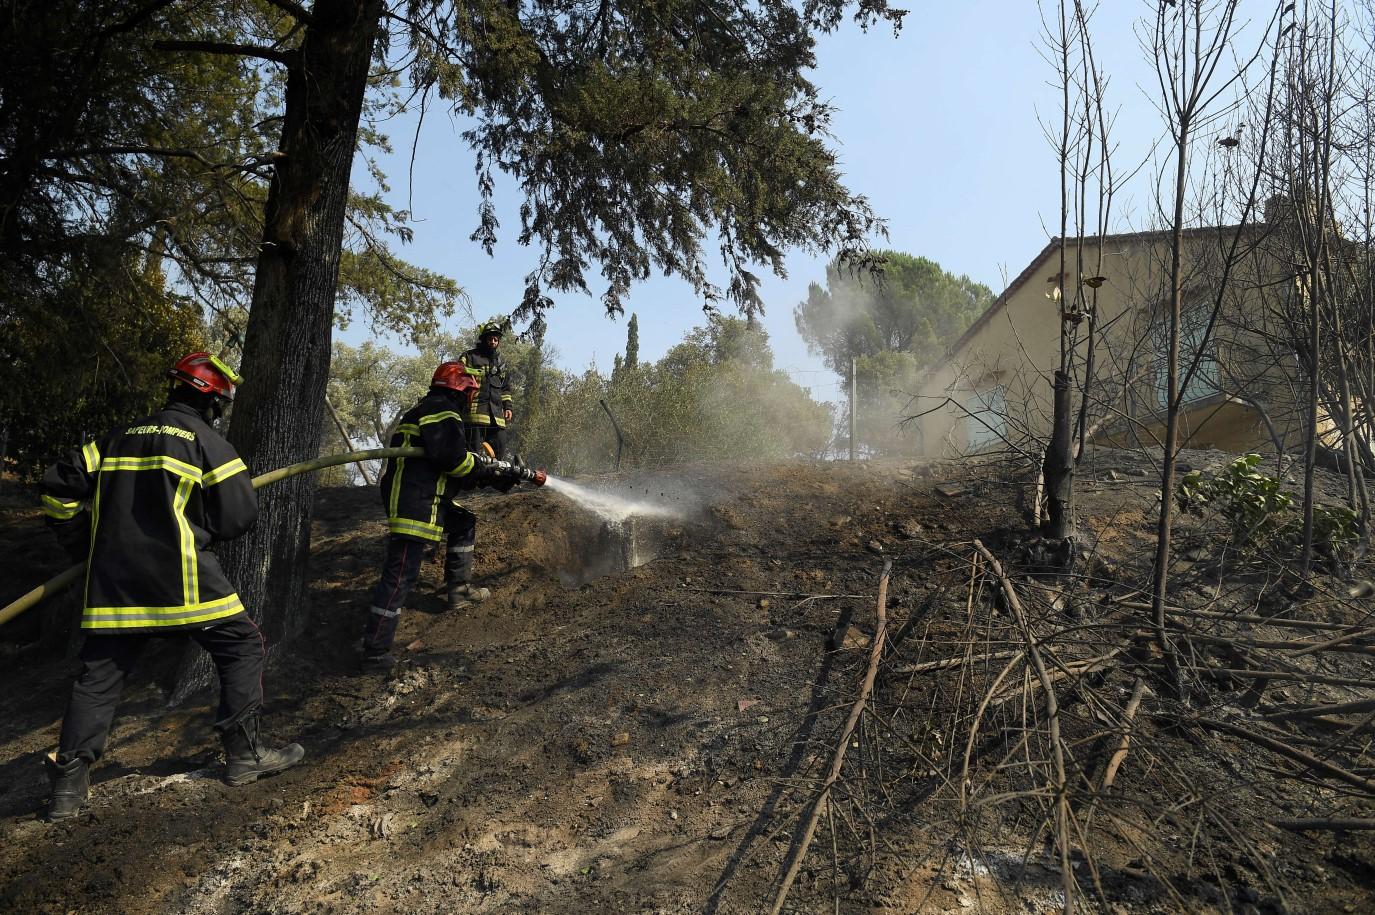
[293,9]
[285,58]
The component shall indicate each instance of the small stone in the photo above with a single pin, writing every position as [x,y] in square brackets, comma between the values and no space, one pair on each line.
[620,739]
[951,490]
[779,635]
[745,704]
[673,814]
[765,603]
[854,638]
[720,832]
[874,546]
[763,719]
[1114,476]
[1361,588]
[416,645]
[909,528]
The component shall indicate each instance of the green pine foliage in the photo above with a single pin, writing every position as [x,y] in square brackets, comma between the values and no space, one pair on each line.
[895,319]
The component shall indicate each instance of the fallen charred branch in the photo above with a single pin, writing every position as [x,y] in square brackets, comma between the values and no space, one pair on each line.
[1275,746]
[1292,675]
[1057,748]
[1332,824]
[1300,648]
[1317,711]
[808,831]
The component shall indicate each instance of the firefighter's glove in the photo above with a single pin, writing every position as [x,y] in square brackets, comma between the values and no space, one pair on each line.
[500,475]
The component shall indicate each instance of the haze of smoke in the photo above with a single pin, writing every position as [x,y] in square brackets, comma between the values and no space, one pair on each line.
[611,507]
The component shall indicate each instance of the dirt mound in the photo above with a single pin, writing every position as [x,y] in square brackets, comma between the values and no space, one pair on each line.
[636,721]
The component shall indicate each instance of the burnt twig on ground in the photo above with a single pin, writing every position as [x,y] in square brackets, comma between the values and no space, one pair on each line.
[799,850]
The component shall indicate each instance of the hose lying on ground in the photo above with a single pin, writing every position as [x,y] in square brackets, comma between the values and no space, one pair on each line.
[59,582]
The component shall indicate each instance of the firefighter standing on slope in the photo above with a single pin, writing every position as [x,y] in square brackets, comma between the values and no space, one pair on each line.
[490,410]
[144,503]
[419,511]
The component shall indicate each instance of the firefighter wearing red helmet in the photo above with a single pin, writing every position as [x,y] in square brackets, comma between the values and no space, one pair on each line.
[415,494]
[143,504]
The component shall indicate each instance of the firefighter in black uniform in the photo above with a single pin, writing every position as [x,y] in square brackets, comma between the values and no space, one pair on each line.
[142,505]
[489,411]
[420,512]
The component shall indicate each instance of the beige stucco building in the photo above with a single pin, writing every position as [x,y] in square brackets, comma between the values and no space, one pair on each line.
[992,390]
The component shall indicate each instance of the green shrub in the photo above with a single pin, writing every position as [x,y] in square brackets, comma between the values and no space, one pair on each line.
[1258,512]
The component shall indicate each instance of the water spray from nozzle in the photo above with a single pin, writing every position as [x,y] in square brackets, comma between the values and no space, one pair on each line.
[609,506]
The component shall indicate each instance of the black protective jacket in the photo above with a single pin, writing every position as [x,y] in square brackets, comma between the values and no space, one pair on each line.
[158,493]
[493,398]
[413,488]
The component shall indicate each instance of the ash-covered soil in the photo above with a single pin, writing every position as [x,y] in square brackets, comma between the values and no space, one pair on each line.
[597,738]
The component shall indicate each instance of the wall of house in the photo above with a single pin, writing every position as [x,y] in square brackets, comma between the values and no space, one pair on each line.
[1007,362]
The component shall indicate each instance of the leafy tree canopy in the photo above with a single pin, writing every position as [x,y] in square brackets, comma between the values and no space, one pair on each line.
[907,305]
[894,321]
[132,185]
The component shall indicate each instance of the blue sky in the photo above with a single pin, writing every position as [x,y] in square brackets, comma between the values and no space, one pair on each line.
[938,127]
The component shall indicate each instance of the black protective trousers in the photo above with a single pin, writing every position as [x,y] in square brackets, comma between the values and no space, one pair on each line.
[236,646]
[492,434]
[401,568]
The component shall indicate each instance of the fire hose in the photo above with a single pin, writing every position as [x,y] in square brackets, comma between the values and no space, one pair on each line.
[501,469]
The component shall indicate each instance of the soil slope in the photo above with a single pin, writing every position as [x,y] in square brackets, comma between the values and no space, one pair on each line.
[596,737]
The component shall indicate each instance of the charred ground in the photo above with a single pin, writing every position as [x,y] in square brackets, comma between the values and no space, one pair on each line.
[598,738]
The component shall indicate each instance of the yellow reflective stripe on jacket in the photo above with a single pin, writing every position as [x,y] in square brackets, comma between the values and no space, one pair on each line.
[440,417]
[146,617]
[60,509]
[91,455]
[224,472]
[439,483]
[393,502]
[90,550]
[415,529]
[190,577]
[154,462]
[463,468]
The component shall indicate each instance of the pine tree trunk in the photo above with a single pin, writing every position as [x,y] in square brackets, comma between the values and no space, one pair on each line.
[279,411]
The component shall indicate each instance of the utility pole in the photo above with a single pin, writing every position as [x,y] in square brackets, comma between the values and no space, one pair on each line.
[852,408]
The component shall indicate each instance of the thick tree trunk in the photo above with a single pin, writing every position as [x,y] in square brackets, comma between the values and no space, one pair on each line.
[279,411]
[1058,465]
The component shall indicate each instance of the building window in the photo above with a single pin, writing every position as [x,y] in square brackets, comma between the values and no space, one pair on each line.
[986,418]
[1193,325]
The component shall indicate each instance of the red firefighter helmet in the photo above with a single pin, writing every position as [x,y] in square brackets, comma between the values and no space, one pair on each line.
[454,376]
[207,373]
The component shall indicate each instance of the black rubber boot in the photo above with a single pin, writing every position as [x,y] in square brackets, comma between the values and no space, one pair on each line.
[246,762]
[70,783]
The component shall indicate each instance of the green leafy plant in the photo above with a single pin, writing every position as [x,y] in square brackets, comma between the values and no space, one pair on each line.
[1259,512]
